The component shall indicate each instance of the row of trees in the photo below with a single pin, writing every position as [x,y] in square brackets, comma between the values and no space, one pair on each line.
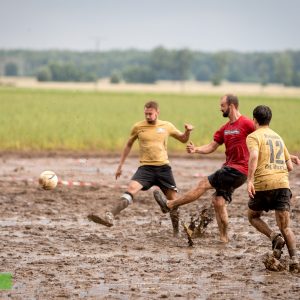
[158,64]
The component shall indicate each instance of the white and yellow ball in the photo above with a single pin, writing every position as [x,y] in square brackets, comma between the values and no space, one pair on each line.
[48,180]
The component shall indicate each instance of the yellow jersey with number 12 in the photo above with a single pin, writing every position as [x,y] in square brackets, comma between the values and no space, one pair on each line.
[271,172]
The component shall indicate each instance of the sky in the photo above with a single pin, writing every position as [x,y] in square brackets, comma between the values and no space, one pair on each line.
[101,25]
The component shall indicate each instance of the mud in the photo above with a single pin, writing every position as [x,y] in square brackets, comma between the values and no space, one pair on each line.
[54,252]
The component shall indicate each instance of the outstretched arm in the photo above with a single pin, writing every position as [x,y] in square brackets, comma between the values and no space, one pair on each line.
[124,155]
[295,159]
[184,137]
[205,149]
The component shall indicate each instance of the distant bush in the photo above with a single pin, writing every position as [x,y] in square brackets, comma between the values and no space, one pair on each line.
[44,74]
[64,72]
[139,74]
[11,69]
[115,77]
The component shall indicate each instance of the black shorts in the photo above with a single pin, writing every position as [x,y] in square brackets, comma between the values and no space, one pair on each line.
[278,199]
[225,181]
[161,176]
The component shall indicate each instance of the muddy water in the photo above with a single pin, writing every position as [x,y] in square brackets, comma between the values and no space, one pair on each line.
[54,252]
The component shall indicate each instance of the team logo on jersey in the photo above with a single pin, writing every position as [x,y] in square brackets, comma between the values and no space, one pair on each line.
[234,131]
[160,130]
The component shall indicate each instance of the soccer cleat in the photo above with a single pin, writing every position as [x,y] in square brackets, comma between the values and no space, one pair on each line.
[162,201]
[277,245]
[107,220]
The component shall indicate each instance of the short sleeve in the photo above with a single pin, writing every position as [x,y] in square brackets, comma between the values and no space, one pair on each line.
[250,126]
[173,131]
[286,154]
[134,132]
[219,136]
[252,142]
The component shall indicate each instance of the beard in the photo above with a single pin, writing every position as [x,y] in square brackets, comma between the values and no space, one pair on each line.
[226,113]
[151,122]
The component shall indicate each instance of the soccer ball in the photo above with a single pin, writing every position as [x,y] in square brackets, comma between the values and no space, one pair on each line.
[48,180]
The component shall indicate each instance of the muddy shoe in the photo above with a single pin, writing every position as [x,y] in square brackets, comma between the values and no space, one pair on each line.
[161,200]
[272,264]
[107,220]
[277,245]
[294,265]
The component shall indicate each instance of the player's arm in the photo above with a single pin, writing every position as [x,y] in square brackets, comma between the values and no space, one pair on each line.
[289,159]
[205,149]
[124,155]
[252,165]
[289,165]
[295,159]
[184,137]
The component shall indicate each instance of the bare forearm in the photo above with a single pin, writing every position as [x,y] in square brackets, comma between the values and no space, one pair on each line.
[124,155]
[295,159]
[185,136]
[206,149]
[252,165]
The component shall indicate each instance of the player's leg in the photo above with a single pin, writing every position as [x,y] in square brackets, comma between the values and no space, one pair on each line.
[174,213]
[222,217]
[255,220]
[190,196]
[127,198]
[283,222]
[142,179]
[225,181]
[264,201]
[282,215]
[108,218]
[164,179]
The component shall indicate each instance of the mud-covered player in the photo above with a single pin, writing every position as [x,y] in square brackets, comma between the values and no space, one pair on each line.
[152,135]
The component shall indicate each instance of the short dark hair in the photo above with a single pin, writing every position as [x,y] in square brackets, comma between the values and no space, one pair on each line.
[232,99]
[151,104]
[262,114]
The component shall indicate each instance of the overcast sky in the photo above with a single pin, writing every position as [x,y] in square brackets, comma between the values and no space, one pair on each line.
[204,25]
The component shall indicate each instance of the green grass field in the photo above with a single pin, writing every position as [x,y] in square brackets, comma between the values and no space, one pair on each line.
[91,121]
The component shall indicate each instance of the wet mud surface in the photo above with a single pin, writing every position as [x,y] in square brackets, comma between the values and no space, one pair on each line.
[54,252]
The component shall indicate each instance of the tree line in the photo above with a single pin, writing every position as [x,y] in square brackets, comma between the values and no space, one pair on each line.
[150,66]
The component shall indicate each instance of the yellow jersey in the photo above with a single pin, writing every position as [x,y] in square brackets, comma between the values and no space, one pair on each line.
[153,139]
[271,172]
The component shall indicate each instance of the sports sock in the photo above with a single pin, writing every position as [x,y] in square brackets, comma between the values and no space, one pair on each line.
[122,203]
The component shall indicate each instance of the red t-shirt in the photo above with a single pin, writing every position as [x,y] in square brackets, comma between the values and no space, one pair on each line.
[234,135]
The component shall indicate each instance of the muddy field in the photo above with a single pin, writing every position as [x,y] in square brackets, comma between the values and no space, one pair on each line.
[54,252]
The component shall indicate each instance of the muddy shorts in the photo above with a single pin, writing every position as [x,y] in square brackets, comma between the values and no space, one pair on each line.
[278,199]
[225,181]
[160,176]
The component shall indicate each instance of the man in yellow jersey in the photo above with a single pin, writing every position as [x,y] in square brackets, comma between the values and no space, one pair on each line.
[152,135]
[268,184]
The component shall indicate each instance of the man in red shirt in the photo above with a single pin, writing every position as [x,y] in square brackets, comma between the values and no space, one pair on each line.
[231,175]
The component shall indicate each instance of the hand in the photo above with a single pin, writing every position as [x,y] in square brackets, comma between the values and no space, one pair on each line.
[188,127]
[190,148]
[251,189]
[118,172]
[295,159]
